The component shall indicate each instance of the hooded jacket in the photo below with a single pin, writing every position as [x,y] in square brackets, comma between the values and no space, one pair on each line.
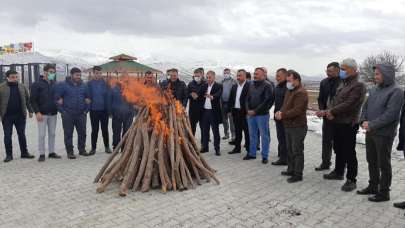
[383,106]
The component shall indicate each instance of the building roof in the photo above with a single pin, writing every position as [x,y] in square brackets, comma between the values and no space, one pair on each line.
[123,57]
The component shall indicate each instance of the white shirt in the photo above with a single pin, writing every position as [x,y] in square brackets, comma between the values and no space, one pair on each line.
[238,93]
[207,104]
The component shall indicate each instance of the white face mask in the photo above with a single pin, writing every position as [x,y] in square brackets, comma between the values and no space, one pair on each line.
[290,86]
[227,76]
[197,79]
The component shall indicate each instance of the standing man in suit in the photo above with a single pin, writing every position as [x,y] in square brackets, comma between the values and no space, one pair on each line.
[196,99]
[212,115]
[237,105]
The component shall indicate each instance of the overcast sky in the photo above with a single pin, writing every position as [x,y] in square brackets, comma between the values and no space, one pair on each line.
[304,35]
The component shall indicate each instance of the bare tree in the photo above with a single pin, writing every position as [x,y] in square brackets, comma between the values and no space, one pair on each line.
[366,68]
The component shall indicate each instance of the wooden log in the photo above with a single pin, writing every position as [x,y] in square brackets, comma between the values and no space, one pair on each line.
[149,165]
[144,159]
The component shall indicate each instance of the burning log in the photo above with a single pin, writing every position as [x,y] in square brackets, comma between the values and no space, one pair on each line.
[159,149]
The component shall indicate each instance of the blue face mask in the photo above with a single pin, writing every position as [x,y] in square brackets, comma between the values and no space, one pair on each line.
[51,76]
[290,86]
[343,74]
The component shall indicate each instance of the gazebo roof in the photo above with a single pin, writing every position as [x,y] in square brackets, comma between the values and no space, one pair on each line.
[123,57]
[126,63]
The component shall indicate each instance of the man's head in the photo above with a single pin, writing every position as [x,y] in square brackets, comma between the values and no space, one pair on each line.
[75,74]
[198,75]
[293,79]
[332,70]
[348,68]
[281,75]
[210,77]
[384,74]
[49,72]
[227,73]
[173,74]
[12,76]
[241,76]
[98,75]
[259,75]
[149,79]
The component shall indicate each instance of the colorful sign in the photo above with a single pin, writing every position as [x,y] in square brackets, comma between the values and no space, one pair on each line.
[16,48]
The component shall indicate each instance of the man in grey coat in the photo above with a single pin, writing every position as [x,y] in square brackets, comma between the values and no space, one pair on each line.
[227,83]
[380,117]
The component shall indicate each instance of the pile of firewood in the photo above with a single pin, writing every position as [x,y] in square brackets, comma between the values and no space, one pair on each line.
[158,151]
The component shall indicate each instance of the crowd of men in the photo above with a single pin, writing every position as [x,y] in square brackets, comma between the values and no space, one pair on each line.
[241,105]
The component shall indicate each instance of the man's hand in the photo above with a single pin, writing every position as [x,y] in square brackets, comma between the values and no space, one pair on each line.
[194,95]
[320,114]
[329,115]
[87,100]
[209,96]
[279,115]
[365,126]
[39,117]
[30,115]
[251,113]
[60,101]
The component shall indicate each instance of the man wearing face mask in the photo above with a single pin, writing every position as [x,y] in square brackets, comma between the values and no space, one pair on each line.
[196,100]
[293,113]
[380,117]
[44,106]
[345,112]
[327,92]
[14,103]
[73,102]
[227,83]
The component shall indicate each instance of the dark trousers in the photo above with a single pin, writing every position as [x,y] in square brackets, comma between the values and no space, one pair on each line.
[98,118]
[295,147]
[19,122]
[327,142]
[121,122]
[282,145]
[378,153]
[70,122]
[240,122]
[344,145]
[210,121]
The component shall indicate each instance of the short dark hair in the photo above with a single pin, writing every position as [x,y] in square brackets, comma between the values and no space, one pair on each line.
[49,66]
[282,70]
[295,75]
[333,64]
[202,69]
[261,69]
[10,72]
[241,70]
[198,70]
[174,70]
[248,75]
[97,68]
[148,72]
[227,69]
[75,70]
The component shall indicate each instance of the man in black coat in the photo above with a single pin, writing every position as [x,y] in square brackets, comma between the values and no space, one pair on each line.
[279,93]
[178,87]
[237,104]
[196,99]
[212,115]
[327,92]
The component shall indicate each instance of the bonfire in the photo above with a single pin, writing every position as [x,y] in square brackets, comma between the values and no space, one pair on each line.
[159,150]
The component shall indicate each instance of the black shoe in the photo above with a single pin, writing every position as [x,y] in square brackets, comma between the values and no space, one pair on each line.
[286,173]
[279,163]
[380,197]
[368,191]
[258,148]
[204,151]
[54,156]
[232,142]
[8,159]
[225,137]
[349,186]
[294,179]
[400,205]
[41,158]
[71,156]
[92,152]
[322,167]
[27,156]
[265,161]
[108,150]
[83,153]
[333,176]
[217,153]
[234,152]
[248,157]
